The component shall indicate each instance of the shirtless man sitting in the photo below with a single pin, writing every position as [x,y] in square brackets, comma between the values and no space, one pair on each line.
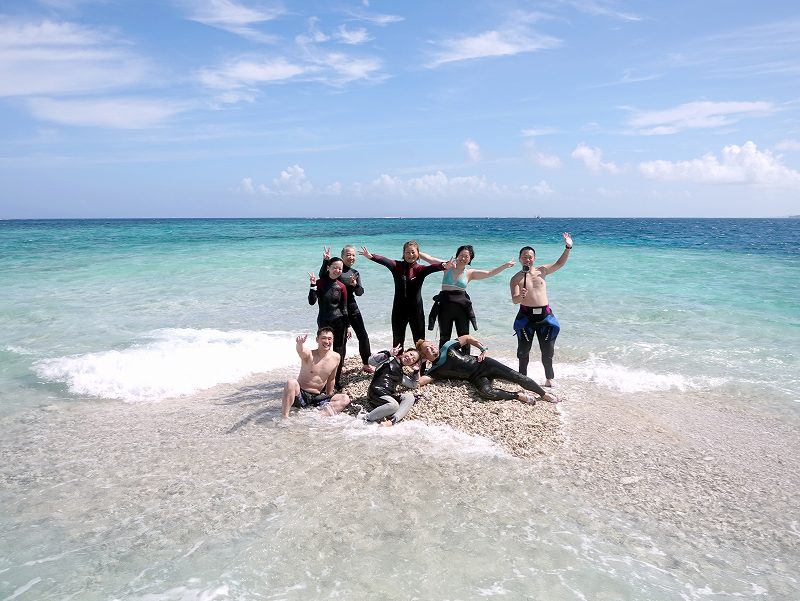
[314,386]
[535,317]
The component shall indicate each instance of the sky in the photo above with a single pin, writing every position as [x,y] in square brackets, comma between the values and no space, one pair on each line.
[346,108]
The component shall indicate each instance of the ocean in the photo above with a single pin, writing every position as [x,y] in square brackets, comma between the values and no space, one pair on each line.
[141,367]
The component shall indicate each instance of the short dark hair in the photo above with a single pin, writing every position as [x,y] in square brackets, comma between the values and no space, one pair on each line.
[333,260]
[467,247]
[524,248]
[325,329]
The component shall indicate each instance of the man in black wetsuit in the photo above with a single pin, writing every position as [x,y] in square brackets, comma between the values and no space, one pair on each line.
[332,297]
[450,363]
[352,280]
[408,278]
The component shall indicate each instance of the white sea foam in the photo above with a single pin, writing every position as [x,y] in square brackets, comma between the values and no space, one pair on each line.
[626,379]
[172,362]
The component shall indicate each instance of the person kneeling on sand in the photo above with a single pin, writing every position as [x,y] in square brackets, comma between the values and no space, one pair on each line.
[314,387]
[449,362]
[386,406]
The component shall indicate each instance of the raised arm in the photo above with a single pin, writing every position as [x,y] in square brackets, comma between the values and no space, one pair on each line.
[562,260]
[326,256]
[312,291]
[364,252]
[482,274]
[472,341]
[430,259]
[302,351]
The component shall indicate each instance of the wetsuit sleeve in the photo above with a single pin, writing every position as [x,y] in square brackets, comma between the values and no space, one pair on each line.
[411,381]
[312,295]
[379,358]
[426,271]
[390,263]
[324,269]
[358,290]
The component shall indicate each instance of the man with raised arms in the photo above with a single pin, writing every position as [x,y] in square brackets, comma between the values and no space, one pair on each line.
[314,387]
[535,317]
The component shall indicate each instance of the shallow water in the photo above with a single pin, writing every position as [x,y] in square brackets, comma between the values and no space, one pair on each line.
[681,417]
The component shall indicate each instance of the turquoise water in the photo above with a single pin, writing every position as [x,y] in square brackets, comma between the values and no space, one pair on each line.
[645,304]
[108,320]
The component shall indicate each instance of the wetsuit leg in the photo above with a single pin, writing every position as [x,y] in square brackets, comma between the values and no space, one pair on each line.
[548,347]
[416,319]
[492,368]
[399,323]
[446,320]
[357,323]
[523,353]
[488,392]
[340,346]
[389,407]
[406,402]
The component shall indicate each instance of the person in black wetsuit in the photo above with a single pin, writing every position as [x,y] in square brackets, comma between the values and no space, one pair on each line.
[331,296]
[408,278]
[450,363]
[382,398]
[352,280]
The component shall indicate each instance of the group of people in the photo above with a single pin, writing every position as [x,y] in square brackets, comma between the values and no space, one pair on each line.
[335,288]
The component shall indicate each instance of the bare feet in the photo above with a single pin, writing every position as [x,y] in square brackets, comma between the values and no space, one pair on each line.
[527,398]
[549,384]
[387,423]
[550,398]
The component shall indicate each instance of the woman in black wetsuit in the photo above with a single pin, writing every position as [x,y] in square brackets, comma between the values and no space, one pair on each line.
[450,363]
[382,398]
[408,278]
[331,296]
[352,280]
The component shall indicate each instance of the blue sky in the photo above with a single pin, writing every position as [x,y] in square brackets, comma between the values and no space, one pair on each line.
[247,108]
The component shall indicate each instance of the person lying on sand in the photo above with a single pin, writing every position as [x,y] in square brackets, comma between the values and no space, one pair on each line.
[448,362]
[382,397]
[314,386]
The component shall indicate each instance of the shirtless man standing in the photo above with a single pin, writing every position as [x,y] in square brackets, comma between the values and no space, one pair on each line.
[314,386]
[535,317]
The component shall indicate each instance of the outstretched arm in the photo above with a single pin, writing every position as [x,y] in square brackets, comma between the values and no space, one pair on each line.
[482,274]
[302,351]
[472,341]
[562,260]
[429,259]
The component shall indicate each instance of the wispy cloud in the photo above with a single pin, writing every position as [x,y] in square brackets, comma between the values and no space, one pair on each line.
[593,159]
[353,37]
[116,113]
[250,72]
[541,131]
[694,115]
[375,18]
[473,150]
[51,58]
[233,17]
[514,38]
[605,8]
[736,165]
[788,145]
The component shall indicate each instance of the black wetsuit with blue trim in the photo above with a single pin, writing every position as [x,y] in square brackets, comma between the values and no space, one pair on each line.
[407,307]
[452,364]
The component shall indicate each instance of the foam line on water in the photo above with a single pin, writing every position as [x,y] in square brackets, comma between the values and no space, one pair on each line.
[171,362]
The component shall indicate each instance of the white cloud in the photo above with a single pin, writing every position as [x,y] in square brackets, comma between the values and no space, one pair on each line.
[291,182]
[247,186]
[117,113]
[354,37]
[593,159]
[535,132]
[542,189]
[51,58]
[693,115]
[375,19]
[473,150]
[248,72]
[788,145]
[513,39]
[737,165]
[347,68]
[232,17]
[548,161]
[603,8]
[314,35]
